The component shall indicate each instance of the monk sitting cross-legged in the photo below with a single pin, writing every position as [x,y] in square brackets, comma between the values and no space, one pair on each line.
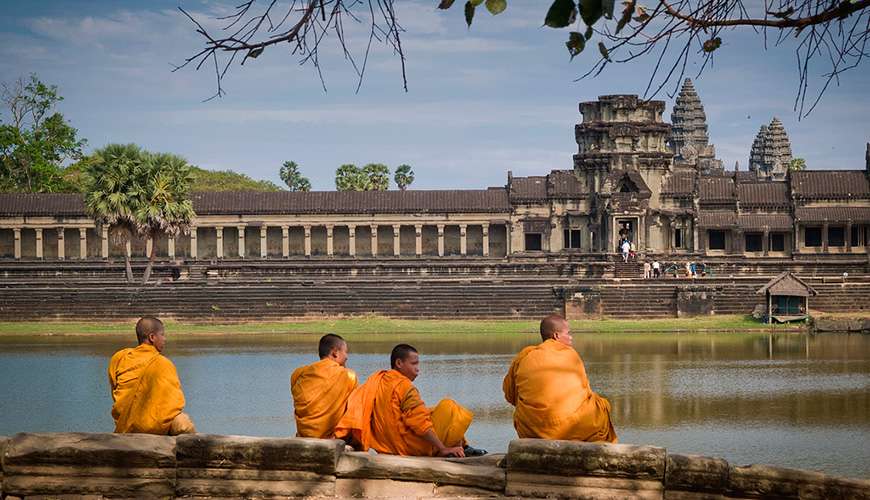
[547,384]
[388,415]
[145,386]
[320,390]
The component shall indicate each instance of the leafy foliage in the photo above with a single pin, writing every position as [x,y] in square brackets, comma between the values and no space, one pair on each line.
[404,176]
[797,164]
[349,177]
[378,176]
[227,180]
[294,179]
[35,140]
[132,191]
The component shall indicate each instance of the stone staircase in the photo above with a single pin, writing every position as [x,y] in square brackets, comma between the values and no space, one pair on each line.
[627,270]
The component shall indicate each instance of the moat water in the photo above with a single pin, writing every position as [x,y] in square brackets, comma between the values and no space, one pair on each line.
[792,400]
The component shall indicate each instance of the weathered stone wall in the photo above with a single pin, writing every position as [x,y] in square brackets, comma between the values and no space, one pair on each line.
[96,466]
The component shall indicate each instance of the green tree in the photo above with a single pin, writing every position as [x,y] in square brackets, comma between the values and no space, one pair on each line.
[134,192]
[378,176]
[294,179]
[349,177]
[797,164]
[35,140]
[227,180]
[404,176]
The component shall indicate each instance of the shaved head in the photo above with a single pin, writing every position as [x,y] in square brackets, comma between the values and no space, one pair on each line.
[329,343]
[551,325]
[146,326]
[401,351]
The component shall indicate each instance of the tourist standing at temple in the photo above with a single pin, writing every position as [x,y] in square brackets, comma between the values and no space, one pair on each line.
[145,388]
[387,414]
[548,386]
[657,269]
[320,390]
[647,269]
[626,247]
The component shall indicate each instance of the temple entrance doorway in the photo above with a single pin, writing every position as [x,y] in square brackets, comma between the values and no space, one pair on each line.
[626,229]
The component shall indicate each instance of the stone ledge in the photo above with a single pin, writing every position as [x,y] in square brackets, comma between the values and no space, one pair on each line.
[573,458]
[763,481]
[4,442]
[696,473]
[244,452]
[357,465]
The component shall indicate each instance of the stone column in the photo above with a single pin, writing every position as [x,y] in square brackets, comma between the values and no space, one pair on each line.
[555,235]
[307,244]
[418,240]
[285,241]
[219,239]
[507,238]
[351,240]
[329,240]
[849,236]
[83,243]
[397,240]
[104,242]
[17,236]
[193,242]
[149,245]
[264,243]
[61,249]
[241,230]
[463,239]
[670,231]
[38,232]
[170,246]
[441,240]
[765,242]
[825,237]
[485,231]
[374,228]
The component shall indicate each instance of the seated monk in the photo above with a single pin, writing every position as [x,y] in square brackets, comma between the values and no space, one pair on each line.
[387,414]
[320,390]
[145,386]
[547,384]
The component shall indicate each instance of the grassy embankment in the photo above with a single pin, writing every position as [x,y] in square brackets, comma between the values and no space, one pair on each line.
[376,325]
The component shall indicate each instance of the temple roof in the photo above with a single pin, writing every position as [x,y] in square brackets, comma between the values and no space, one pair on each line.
[787,284]
[679,184]
[831,184]
[782,222]
[717,219]
[284,202]
[832,214]
[528,188]
[763,194]
[564,184]
[717,189]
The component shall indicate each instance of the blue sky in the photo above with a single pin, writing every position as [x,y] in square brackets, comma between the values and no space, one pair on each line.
[498,97]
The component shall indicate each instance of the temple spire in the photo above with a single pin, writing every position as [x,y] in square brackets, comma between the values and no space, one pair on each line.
[770,156]
[689,123]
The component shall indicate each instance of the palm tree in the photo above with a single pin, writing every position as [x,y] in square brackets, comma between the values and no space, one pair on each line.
[349,177]
[378,175]
[404,176]
[294,179]
[135,192]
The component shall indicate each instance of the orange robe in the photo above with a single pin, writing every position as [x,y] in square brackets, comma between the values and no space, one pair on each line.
[320,391]
[547,384]
[387,415]
[145,389]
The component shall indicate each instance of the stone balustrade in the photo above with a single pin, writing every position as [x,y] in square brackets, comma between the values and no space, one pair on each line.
[95,466]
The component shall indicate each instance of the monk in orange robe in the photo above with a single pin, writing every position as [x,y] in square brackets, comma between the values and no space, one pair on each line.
[320,390]
[548,386]
[387,414]
[145,387]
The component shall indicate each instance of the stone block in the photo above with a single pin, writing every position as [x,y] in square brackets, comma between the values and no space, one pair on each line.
[696,473]
[763,481]
[3,442]
[107,465]
[382,488]
[537,485]
[440,471]
[242,466]
[575,458]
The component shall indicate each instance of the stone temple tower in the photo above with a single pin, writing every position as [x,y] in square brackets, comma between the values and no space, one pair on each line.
[770,155]
[689,138]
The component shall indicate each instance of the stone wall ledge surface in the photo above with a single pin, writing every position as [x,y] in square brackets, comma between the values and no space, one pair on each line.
[77,466]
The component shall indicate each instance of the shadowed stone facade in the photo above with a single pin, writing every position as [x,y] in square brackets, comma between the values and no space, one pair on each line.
[633,176]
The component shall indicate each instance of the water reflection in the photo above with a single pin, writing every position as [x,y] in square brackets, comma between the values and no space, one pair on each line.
[788,399]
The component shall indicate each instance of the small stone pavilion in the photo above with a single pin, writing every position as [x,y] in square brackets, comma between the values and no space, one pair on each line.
[787,298]
[634,176]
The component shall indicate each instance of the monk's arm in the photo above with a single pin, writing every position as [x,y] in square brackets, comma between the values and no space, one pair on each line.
[509,385]
[418,418]
[441,450]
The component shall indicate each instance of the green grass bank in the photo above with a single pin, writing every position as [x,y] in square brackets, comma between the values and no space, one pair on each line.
[377,325]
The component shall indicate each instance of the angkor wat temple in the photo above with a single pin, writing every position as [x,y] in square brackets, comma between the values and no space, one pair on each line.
[635,176]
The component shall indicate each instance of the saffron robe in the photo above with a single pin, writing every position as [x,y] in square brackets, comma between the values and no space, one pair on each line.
[548,386]
[145,389]
[320,391]
[387,414]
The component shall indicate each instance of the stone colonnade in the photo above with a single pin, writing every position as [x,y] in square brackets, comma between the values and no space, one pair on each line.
[266,240]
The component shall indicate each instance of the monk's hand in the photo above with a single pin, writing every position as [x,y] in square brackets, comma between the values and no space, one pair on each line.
[451,452]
